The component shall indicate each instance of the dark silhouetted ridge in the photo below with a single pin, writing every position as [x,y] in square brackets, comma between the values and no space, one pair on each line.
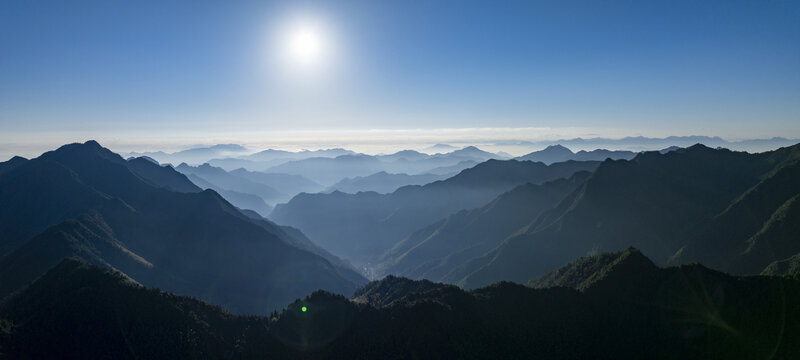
[84,201]
[393,289]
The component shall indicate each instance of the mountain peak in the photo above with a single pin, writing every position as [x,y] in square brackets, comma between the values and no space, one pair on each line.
[92,143]
[79,152]
[393,289]
[587,271]
[698,147]
[558,147]
[551,154]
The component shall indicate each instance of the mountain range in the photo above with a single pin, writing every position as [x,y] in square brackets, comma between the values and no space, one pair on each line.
[731,210]
[383,182]
[360,227]
[434,251]
[238,199]
[331,170]
[195,155]
[153,224]
[617,305]
[105,257]
[250,190]
[233,156]
[558,153]
[642,143]
[326,166]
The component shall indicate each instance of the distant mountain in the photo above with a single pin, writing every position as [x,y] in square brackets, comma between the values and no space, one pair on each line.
[360,227]
[470,152]
[266,159]
[290,185]
[404,155]
[163,176]
[240,200]
[453,169]
[84,201]
[227,181]
[382,182]
[331,170]
[195,156]
[439,148]
[661,203]
[641,143]
[434,251]
[551,154]
[328,171]
[330,166]
[271,154]
[558,153]
[671,148]
[630,309]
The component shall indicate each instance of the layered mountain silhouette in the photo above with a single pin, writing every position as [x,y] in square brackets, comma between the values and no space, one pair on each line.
[642,143]
[263,160]
[84,201]
[251,190]
[360,227]
[558,153]
[196,155]
[238,199]
[453,169]
[617,306]
[758,227]
[440,148]
[331,170]
[685,205]
[383,182]
[287,184]
[224,180]
[434,251]
[328,171]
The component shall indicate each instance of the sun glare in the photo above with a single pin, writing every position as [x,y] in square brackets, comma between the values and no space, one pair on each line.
[305,45]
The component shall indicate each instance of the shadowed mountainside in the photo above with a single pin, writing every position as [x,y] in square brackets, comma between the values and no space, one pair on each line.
[631,309]
[383,182]
[224,180]
[84,201]
[360,227]
[661,203]
[432,252]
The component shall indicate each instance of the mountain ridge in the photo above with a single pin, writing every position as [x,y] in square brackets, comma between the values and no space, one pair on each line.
[188,238]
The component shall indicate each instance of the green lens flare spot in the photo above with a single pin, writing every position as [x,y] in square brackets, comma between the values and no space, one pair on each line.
[304,309]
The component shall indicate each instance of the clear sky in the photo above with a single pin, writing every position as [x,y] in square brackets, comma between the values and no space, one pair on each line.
[165,73]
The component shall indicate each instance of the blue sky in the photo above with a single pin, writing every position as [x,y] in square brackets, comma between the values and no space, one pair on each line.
[150,73]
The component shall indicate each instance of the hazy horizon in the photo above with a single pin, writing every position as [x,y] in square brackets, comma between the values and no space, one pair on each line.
[378,145]
[380,76]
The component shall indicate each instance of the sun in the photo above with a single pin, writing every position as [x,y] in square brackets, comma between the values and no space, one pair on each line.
[305,45]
